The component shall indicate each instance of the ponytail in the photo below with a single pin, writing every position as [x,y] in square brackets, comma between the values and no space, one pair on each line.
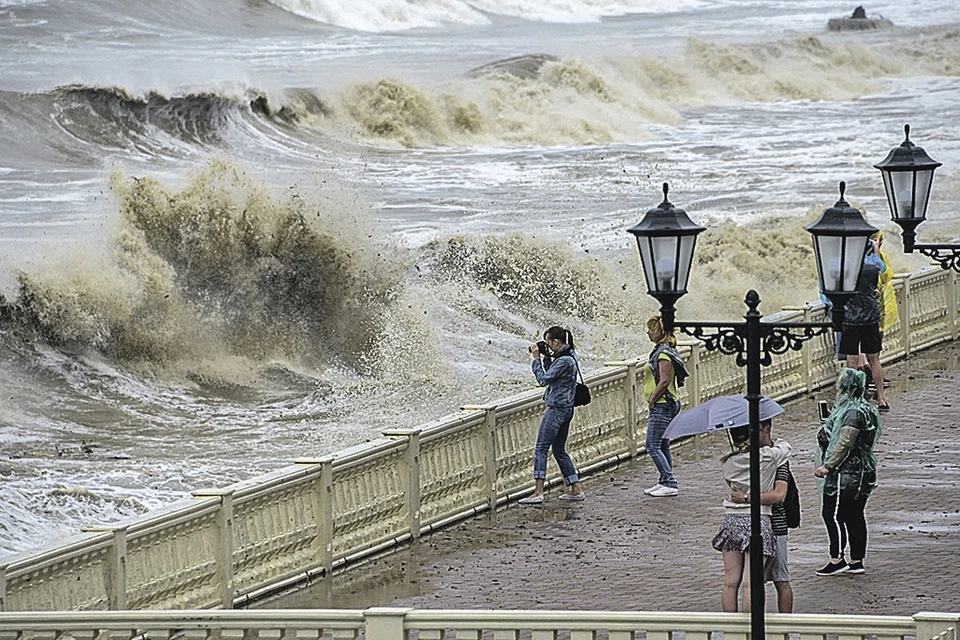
[561,334]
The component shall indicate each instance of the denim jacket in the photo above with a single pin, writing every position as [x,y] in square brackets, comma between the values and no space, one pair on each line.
[560,379]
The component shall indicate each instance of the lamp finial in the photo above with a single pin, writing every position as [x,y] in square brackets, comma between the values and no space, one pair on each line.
[843,189]
[906,134]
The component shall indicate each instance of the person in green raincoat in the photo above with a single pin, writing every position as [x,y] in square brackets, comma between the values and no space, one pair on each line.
[849,472]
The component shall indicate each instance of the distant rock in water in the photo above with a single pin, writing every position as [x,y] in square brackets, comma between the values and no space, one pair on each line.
[858,21]
[525,66]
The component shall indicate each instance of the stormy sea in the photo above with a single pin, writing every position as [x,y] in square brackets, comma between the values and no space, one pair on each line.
[237,232]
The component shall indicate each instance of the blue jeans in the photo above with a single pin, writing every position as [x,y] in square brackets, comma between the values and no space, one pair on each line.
[659,447]
[554,428]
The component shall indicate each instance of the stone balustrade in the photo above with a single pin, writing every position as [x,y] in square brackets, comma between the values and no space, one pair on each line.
[404,624]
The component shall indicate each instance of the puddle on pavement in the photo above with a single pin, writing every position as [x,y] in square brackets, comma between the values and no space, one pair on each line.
[399,574]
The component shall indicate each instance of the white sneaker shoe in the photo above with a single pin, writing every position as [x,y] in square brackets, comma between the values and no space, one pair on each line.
[663,492]
[650,491]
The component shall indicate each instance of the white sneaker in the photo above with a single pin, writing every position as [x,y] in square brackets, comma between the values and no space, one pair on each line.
[663,492]
[650,491]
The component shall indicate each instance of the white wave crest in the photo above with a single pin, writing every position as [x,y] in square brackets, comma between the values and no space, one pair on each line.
[384,15]
[402,15]
[577,10]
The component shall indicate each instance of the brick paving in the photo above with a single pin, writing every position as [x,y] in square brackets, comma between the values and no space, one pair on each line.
[622,550]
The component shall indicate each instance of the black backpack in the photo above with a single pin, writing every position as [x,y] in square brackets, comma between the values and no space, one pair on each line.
[791,504]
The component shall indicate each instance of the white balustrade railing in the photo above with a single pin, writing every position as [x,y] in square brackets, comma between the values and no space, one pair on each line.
[318,515]
[407,624]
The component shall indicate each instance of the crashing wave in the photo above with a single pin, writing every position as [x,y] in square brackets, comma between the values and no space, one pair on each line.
[402,15]
[220,273]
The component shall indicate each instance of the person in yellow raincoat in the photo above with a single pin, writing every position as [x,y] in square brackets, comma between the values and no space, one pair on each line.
[888,299]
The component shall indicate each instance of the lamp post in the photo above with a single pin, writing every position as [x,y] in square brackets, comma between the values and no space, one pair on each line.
[666,238]
[907,178]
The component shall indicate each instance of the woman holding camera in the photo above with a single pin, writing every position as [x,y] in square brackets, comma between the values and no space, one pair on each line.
[558,373]
[662,374]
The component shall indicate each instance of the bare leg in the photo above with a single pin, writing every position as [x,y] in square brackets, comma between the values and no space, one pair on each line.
[853,361]
[877,370]
[733,563]
[538,490]
[746,582]
[784,597]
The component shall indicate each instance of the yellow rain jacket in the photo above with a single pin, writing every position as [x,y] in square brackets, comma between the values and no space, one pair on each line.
[888,299]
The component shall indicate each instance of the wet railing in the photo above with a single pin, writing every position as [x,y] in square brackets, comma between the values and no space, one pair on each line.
[231,545]
[409,624]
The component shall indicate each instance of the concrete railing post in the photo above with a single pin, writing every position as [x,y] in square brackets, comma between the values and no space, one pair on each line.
[225,543]
[953,305]
[905,319]
[384,623]
[630,392]
[931,626]
[806,353]
[490,458]
[3,587]
[322,494]
[491,462]
[630,404]
[694,386]
[411,462]
[117,571]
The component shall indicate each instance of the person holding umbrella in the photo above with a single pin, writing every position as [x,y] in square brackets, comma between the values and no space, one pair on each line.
[662,374]
[733,538]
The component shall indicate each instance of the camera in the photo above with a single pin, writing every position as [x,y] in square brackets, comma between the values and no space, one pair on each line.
[542,348]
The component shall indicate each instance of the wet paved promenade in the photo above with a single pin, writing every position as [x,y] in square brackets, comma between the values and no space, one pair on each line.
[622,550]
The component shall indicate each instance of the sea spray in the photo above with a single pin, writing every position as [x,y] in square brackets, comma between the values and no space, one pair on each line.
[532,273]
[223,271]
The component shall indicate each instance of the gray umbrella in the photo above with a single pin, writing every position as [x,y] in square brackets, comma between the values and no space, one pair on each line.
[722,412]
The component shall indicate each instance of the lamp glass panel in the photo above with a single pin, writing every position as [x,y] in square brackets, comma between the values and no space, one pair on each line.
[891,198]
[646,261]
[902,185]
[830,255]
[924,179]
[665,262]
[853,261]
[687,244]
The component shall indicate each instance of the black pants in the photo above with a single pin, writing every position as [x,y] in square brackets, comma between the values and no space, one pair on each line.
[843,516]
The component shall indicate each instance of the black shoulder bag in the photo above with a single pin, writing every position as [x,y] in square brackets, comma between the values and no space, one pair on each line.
[581,395]
[791,504]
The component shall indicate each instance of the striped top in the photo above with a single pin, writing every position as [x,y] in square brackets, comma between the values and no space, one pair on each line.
[778,514]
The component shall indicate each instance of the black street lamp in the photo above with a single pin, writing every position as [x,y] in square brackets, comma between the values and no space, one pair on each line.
[907,178]
[666,238]
[840,237]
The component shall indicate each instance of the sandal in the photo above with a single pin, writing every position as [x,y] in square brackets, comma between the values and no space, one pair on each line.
[531,500]
[883,407]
